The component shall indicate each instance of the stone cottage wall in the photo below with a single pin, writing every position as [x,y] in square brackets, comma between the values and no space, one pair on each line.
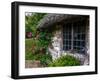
[87,36]
[56,46]
[86,61]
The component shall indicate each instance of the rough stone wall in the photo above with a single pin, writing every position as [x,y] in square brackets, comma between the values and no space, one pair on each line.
[86,61]
[55,50]
[87,36]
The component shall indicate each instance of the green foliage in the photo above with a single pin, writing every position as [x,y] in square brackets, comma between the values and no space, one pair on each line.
[32,21]
[29,55]
[28,49]
[37,47]
[65,61]
[43,58]
[44,39]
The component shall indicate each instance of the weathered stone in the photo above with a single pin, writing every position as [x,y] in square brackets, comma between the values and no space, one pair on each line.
[55,51]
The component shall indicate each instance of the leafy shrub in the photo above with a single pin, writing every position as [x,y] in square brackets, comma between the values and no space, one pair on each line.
[31,22]
[38,52]
[66,60]
[43,58]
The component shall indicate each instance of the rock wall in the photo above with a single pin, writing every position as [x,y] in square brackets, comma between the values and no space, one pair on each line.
[56,44]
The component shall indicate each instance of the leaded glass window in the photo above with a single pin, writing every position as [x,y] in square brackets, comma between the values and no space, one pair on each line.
[74,37]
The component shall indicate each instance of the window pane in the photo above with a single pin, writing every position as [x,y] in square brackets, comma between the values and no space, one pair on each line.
[70,47]
[74,43]
[78,43]
[79,36]
[83,36]
[69,36]
[66,48]
[82,43]
[69,42]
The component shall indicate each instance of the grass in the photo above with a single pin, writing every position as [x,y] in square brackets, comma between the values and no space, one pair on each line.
[28,49]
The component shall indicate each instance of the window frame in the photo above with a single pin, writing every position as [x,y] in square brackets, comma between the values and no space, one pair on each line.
[72,32]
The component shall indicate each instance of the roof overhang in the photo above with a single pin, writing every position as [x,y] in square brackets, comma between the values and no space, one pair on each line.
[50,19]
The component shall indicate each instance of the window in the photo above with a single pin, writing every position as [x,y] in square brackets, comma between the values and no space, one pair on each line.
[67,37]
[74,37]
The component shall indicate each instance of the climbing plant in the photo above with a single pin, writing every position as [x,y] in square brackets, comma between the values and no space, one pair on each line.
[40,40]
